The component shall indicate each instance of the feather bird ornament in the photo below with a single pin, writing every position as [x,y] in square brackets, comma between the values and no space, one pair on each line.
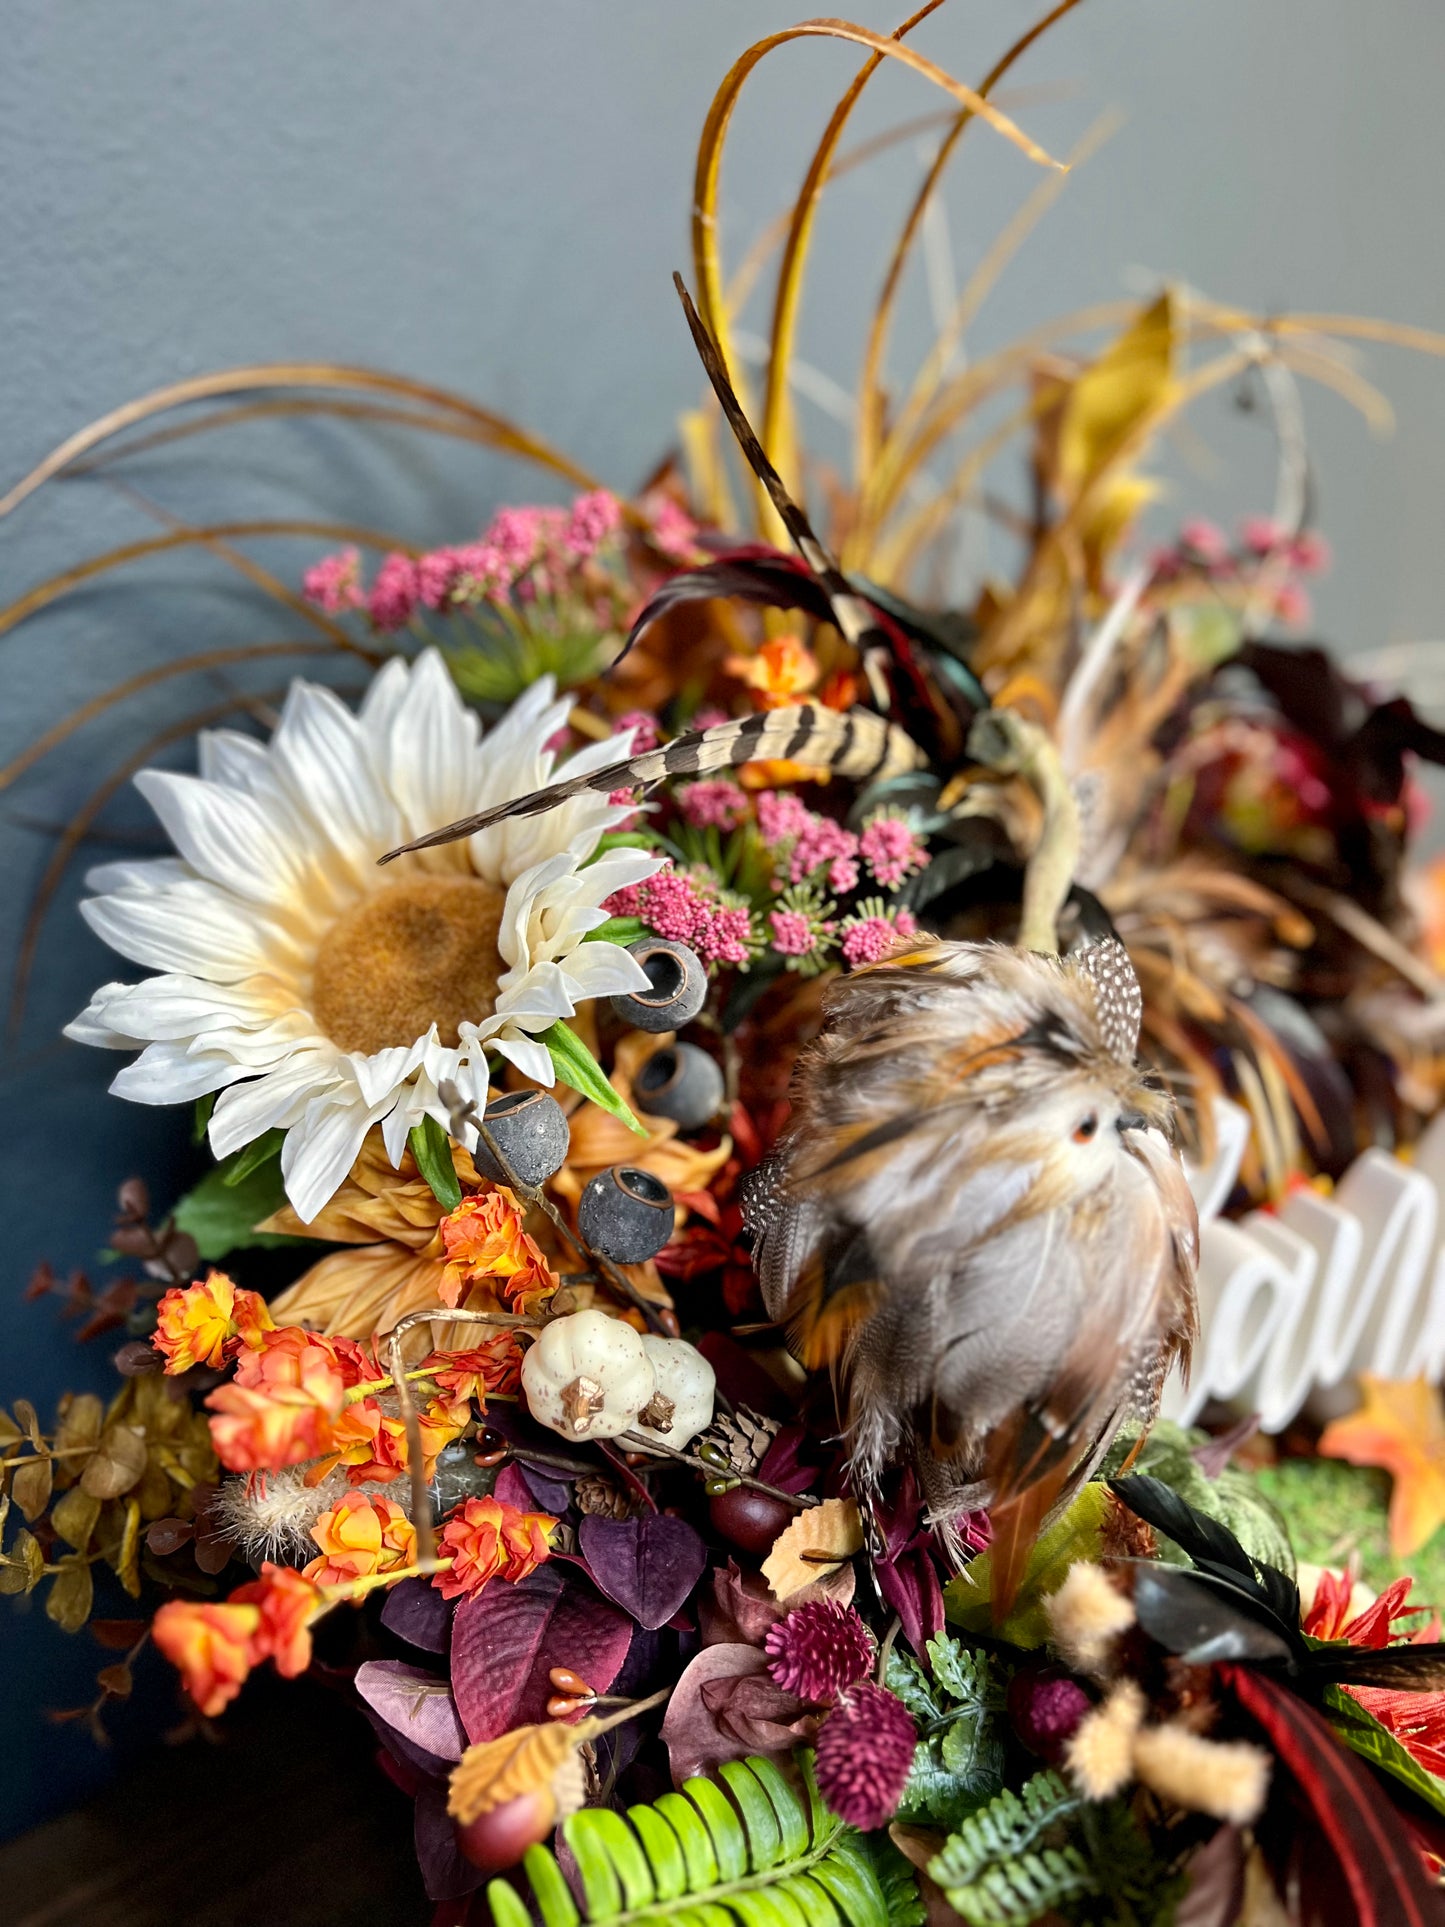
[976,1219]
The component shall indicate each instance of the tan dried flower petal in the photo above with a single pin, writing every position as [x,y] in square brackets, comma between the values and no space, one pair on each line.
[818,1540]
[503,1769]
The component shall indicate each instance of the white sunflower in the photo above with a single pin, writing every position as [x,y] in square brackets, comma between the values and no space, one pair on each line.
[319,993]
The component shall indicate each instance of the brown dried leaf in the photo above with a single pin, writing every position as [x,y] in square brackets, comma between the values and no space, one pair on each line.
[28,1421]
[169,1535]
[117,1635]
[138,1358]
[10,1432]
[74,1517]
[115,1682]
[24,1565]
[133,1199]
[120,1459]
[72,1594]
[817,1542]
[31,1486]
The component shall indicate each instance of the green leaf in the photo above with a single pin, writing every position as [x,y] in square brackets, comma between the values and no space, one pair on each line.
[1234,1498]
[204,1106]
[623,930]
[1076,1534]
[763,1858]
[431,1147]
[958,1702]
[623,840]
[1363,1734]
[578,1069]
[252,1156]
[220,1215]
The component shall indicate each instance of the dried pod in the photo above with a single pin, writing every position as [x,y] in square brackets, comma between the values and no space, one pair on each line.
[626,1215]
[680,1082]
[677,986]
[529,1128]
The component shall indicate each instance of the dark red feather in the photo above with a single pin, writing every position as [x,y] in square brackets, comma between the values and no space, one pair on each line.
[1380,1862]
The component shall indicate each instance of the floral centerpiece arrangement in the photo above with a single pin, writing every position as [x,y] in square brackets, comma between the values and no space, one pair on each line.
[523,1351]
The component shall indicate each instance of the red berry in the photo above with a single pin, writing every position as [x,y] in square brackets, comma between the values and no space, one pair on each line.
[750,1520]
[497,1840]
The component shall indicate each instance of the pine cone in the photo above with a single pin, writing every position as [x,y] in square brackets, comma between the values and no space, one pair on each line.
[598,1498]
[738,1443]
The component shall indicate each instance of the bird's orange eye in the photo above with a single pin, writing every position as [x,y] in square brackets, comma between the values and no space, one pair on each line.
[1086,1129]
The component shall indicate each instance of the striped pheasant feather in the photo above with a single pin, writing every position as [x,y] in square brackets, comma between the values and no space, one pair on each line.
[853,743]
[856,743]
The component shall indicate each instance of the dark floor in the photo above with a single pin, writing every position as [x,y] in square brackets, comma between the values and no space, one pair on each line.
[288,1823]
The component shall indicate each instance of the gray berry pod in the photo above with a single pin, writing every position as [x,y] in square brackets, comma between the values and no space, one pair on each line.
[680,1082]
[625,1215]
[677,984]
[530,1131]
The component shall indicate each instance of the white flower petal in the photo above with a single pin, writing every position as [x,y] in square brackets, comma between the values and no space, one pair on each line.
[530,1057]
[237,762]
[537,998]
[190,927]
[323,761]
[320,1150]
[432,763]
[139,873]
[171,1006]
[244,1111]
[226,836]
[168,1074]
[603,970]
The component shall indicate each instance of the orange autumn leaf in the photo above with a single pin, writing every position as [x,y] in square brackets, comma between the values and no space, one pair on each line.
[1400,1427]
[495,1771]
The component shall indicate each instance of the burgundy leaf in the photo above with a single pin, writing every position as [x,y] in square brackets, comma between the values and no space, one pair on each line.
[1379,1861]
[446,1872]
[416,1703]
[739,1607]
[758,1713]
[741,1378]
[507,1639]
[416,1612]
[648,1565]
[782,1464]
[906,1576]
[1216,1882]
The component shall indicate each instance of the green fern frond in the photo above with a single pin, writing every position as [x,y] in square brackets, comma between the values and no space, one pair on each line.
[1046,1850]
[744,1850]
[958,1701]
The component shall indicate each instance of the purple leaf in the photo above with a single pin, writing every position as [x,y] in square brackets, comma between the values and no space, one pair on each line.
[507,1639]
[649,1565]
[531,1491]
[416,1703]
[416,1612]
[445,1870]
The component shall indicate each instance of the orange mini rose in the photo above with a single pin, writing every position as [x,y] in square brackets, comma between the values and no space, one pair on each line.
[485,1538]
[463,1377]
[208,1323]
[358,1537]
[291,1358]
[261,1431]
[288,1603]
[485,1241]
[781,671]
[212,1647]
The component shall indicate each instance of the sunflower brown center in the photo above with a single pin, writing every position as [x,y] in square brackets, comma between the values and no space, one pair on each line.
[417,952]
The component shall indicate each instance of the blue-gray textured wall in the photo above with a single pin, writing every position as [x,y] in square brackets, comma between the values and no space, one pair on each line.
[493,196]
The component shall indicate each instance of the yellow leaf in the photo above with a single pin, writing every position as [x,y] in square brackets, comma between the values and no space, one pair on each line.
[74,1517]
[1115,396]
[1400,1427]
[1075,1534]
[31,1486]
[77,1426]
[72,1594]
[24,1566]
[127,1561]
[815,1544]
[26,1419]
[10,1432]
